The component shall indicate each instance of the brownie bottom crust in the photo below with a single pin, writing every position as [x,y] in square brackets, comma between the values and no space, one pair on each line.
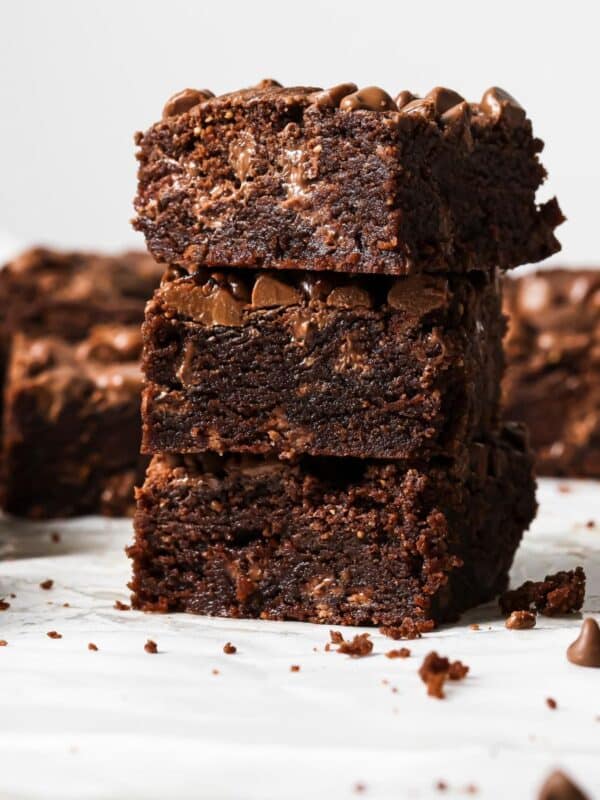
[329,540]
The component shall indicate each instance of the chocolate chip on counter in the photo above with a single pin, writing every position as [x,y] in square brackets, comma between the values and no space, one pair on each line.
[559,787]
[585,650]
[371,98]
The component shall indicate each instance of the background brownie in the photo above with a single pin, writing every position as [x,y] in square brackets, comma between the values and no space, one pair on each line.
[337,541]
[343,180]
[321,364]
[71,424]
[553,378]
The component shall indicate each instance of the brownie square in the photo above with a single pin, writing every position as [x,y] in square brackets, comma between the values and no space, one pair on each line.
[553,377]
[341,180]
[321,364]
[72,424]
[330,540]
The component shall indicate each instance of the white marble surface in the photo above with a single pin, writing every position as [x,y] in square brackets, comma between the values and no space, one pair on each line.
[119,723]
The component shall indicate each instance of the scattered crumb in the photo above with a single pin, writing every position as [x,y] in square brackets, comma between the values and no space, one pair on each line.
[521,620]
[54,635]
[229,649]
[407,630]
[121,606]
[359,788]
[55,537]
[403,652]
[385,682]
[436,670]
[151,647]
[564,488]
[66,605]
[590,523]
[361,645]
[12,596]
[215,672]
[560,593]
[295,668]
[3,643]
[474,627]
[4,605]
[471,789]
[441,786]
[92,646]
[47,584]
[551,703]
[394,690]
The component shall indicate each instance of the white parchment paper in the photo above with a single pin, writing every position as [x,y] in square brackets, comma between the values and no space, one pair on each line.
[120,723]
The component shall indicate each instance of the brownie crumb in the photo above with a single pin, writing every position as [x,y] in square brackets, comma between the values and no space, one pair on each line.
[402,652]
[4,605]
[436,670]
[361,645]
[55,537]
[121,606]
[3,643]
[471,789]
[441,786]
[551,703]
[590,523]
[47,584]
[66,605]
[295,668]
[215,672]
[409,629]
[360,788]
[54,635]
[92,646]
[151,647]
[521,620]
[229,649]
[564,488]
[474,627]
[561,593]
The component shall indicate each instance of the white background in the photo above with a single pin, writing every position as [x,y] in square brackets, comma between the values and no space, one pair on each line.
[77,78]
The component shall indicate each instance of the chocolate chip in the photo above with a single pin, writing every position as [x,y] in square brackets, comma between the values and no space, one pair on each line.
[585,650]
[151,647]
[269,292]
[559,787]
[349,297]
[371,98]
[183,101]
[459,114]
[404,98]
[419,106]
[332,97]
[443,99]
[218,307]
[499,104]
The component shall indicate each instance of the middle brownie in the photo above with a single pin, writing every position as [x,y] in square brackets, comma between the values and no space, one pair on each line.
[321,364]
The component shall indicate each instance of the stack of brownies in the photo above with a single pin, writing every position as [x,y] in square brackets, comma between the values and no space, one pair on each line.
[323,357]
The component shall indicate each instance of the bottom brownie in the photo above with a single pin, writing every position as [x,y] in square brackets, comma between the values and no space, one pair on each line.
[337,541]
[72,426]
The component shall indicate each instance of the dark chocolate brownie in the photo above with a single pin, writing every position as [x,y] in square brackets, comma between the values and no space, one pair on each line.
[553,377]
[331,540]
[47,292]
[343,180]
[72,424]
[321,364]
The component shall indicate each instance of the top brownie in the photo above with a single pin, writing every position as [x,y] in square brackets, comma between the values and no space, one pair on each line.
[343,180]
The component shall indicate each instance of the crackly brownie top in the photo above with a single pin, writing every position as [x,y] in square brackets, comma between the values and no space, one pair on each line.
[440,103]
[554,314]
[79,276]
[223,297]
[103,368]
